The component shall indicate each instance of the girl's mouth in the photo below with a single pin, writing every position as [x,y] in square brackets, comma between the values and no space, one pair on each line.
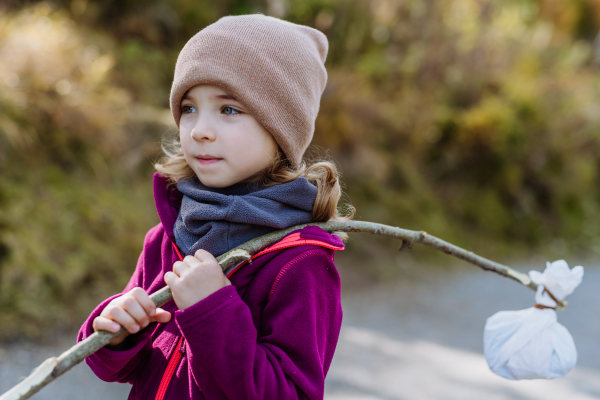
[207,159]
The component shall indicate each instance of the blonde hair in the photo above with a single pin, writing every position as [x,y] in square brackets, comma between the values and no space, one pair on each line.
[323,174]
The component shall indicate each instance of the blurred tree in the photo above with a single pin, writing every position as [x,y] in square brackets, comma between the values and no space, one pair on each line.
[476,120]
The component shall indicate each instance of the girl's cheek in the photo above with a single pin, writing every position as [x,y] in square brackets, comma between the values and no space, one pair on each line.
[184,131]
[186,123]
[185,136]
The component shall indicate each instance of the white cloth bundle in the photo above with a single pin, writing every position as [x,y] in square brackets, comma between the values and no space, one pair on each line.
[530,343]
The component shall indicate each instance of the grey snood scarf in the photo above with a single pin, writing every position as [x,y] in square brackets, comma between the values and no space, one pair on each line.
[219,219]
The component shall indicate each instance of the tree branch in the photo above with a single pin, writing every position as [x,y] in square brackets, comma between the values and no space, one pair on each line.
[54,367]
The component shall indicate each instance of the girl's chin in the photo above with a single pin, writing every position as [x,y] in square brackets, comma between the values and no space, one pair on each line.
[213,181]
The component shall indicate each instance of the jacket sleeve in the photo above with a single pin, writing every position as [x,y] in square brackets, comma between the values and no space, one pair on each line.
[300,328]
[112,365]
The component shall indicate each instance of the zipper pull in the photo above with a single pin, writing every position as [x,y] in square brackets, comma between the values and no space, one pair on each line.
[182,347]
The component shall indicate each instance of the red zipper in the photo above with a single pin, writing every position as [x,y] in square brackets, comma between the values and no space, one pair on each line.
[171,367]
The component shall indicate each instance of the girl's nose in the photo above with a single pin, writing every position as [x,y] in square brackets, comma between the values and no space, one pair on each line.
[203,131]
[198,135]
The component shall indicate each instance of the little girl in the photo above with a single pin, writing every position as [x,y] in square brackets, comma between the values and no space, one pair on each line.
[245,97]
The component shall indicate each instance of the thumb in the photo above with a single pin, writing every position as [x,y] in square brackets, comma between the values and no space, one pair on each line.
[161,316]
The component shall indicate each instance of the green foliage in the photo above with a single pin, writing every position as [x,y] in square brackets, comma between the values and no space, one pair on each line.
[474,120]
[473,115]
[74,193]
[71,244]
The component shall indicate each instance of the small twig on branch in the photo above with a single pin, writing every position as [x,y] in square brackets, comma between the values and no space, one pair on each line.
[54,367]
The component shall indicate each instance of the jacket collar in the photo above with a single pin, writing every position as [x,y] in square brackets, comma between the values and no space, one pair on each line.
[168,201]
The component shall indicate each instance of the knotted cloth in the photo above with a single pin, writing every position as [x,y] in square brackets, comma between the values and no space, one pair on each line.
[219,219]
[531,343]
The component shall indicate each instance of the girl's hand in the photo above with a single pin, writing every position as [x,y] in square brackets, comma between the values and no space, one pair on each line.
[195,279]
[134,310]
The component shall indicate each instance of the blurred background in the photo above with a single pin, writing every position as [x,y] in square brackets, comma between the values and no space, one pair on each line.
[475,120]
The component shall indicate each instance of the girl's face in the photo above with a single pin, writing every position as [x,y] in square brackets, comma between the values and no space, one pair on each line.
[222,142]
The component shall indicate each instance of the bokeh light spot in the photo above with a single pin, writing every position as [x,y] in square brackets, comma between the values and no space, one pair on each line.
[63,87]
[12,79]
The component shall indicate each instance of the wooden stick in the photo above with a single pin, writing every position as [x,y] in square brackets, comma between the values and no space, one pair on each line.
[54,367]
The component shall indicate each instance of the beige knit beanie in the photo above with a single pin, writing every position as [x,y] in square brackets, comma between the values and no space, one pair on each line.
[274,67]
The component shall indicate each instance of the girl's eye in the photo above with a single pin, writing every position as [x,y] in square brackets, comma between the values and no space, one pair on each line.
[229,110]
[187,109]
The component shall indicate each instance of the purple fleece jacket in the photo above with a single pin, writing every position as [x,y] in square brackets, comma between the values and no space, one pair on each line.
[242,342]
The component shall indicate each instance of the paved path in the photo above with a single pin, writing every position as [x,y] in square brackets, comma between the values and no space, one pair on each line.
[419,338]
[422,339]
